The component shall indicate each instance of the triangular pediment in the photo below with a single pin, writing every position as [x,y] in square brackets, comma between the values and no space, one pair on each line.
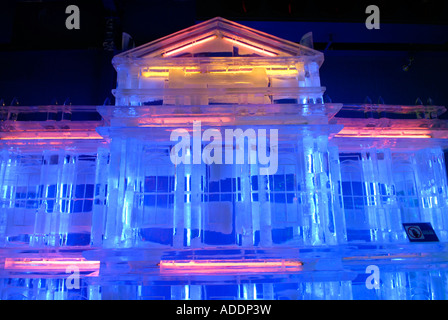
[219,37]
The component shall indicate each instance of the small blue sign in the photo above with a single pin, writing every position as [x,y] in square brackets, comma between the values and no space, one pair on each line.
[420,232]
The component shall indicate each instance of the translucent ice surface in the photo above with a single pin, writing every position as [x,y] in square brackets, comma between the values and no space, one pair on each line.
[221,174]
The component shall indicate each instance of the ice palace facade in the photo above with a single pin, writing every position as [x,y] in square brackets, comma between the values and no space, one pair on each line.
[354,188]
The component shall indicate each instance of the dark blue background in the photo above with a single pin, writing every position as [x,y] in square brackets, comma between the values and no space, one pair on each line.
[42,62]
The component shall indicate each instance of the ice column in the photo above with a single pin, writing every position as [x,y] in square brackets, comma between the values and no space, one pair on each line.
[318,218]
[432,189]
[100,204]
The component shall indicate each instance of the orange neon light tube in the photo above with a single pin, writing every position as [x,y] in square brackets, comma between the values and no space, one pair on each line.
[194,43]
[53,264]
[394,133]
[243,44]
[229,266]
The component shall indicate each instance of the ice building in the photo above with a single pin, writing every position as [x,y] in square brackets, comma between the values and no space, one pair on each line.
[221,173]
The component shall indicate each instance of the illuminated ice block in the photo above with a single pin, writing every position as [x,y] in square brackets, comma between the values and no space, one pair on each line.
[393,170]
[48,173]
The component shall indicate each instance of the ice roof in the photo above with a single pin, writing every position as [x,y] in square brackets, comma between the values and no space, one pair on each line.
[218,37]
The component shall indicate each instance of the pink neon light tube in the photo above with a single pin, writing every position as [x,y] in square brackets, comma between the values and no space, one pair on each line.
[194,43]
[53,264]
[228,266]
[251,47]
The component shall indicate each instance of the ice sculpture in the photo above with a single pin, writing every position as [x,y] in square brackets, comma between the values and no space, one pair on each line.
[95,188]
[225,76]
